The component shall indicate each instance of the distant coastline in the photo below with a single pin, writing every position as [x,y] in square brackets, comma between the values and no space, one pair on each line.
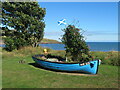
[44,41]
[49,41]
[94,46]
[52,42]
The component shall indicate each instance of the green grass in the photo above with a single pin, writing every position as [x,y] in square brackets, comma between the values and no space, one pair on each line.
[17,75]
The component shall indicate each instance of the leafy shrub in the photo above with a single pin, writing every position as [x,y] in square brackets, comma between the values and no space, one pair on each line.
[9,44]
[14,43]
[75,44]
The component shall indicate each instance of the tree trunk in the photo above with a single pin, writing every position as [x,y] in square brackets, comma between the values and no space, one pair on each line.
[35,44]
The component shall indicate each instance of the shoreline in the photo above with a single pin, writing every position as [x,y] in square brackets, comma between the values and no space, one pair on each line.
[2,45]
[50,42]
[63,50]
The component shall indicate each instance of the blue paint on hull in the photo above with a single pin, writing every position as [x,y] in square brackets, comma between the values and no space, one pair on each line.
[91,68]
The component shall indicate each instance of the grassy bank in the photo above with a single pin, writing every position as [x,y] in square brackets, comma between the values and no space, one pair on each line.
[26,75]
[45,40]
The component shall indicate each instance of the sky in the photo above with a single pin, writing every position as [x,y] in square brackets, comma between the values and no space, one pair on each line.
[99,20]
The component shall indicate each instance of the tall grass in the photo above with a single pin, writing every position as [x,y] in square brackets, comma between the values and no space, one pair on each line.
[25,51]
[108,58]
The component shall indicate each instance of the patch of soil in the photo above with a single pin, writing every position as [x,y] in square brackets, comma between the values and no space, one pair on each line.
[78,74]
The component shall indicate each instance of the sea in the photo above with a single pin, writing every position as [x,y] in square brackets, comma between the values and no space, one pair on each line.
[94,46]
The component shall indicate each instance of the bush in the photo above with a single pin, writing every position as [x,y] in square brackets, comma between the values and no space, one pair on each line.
[9,44]
[14,43]
[75,44]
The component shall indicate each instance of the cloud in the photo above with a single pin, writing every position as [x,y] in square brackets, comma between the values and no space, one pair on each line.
[53,33]
[92,33]
[89,35]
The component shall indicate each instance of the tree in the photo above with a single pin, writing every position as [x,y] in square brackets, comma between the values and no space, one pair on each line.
[26,18]
[75,44]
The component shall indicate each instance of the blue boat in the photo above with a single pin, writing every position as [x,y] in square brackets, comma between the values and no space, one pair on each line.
[91,68]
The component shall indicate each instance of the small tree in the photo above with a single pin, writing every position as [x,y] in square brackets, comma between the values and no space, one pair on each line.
[26,18]
[75,44]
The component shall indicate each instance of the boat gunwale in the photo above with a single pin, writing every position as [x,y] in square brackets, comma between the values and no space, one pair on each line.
[35,56]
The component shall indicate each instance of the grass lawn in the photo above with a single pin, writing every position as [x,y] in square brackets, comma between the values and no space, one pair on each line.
[17,75]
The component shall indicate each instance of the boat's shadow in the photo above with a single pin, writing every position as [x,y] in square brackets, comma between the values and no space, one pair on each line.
[40,67]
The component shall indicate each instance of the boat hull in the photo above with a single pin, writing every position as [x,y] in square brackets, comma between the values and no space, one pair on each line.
[91,68]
